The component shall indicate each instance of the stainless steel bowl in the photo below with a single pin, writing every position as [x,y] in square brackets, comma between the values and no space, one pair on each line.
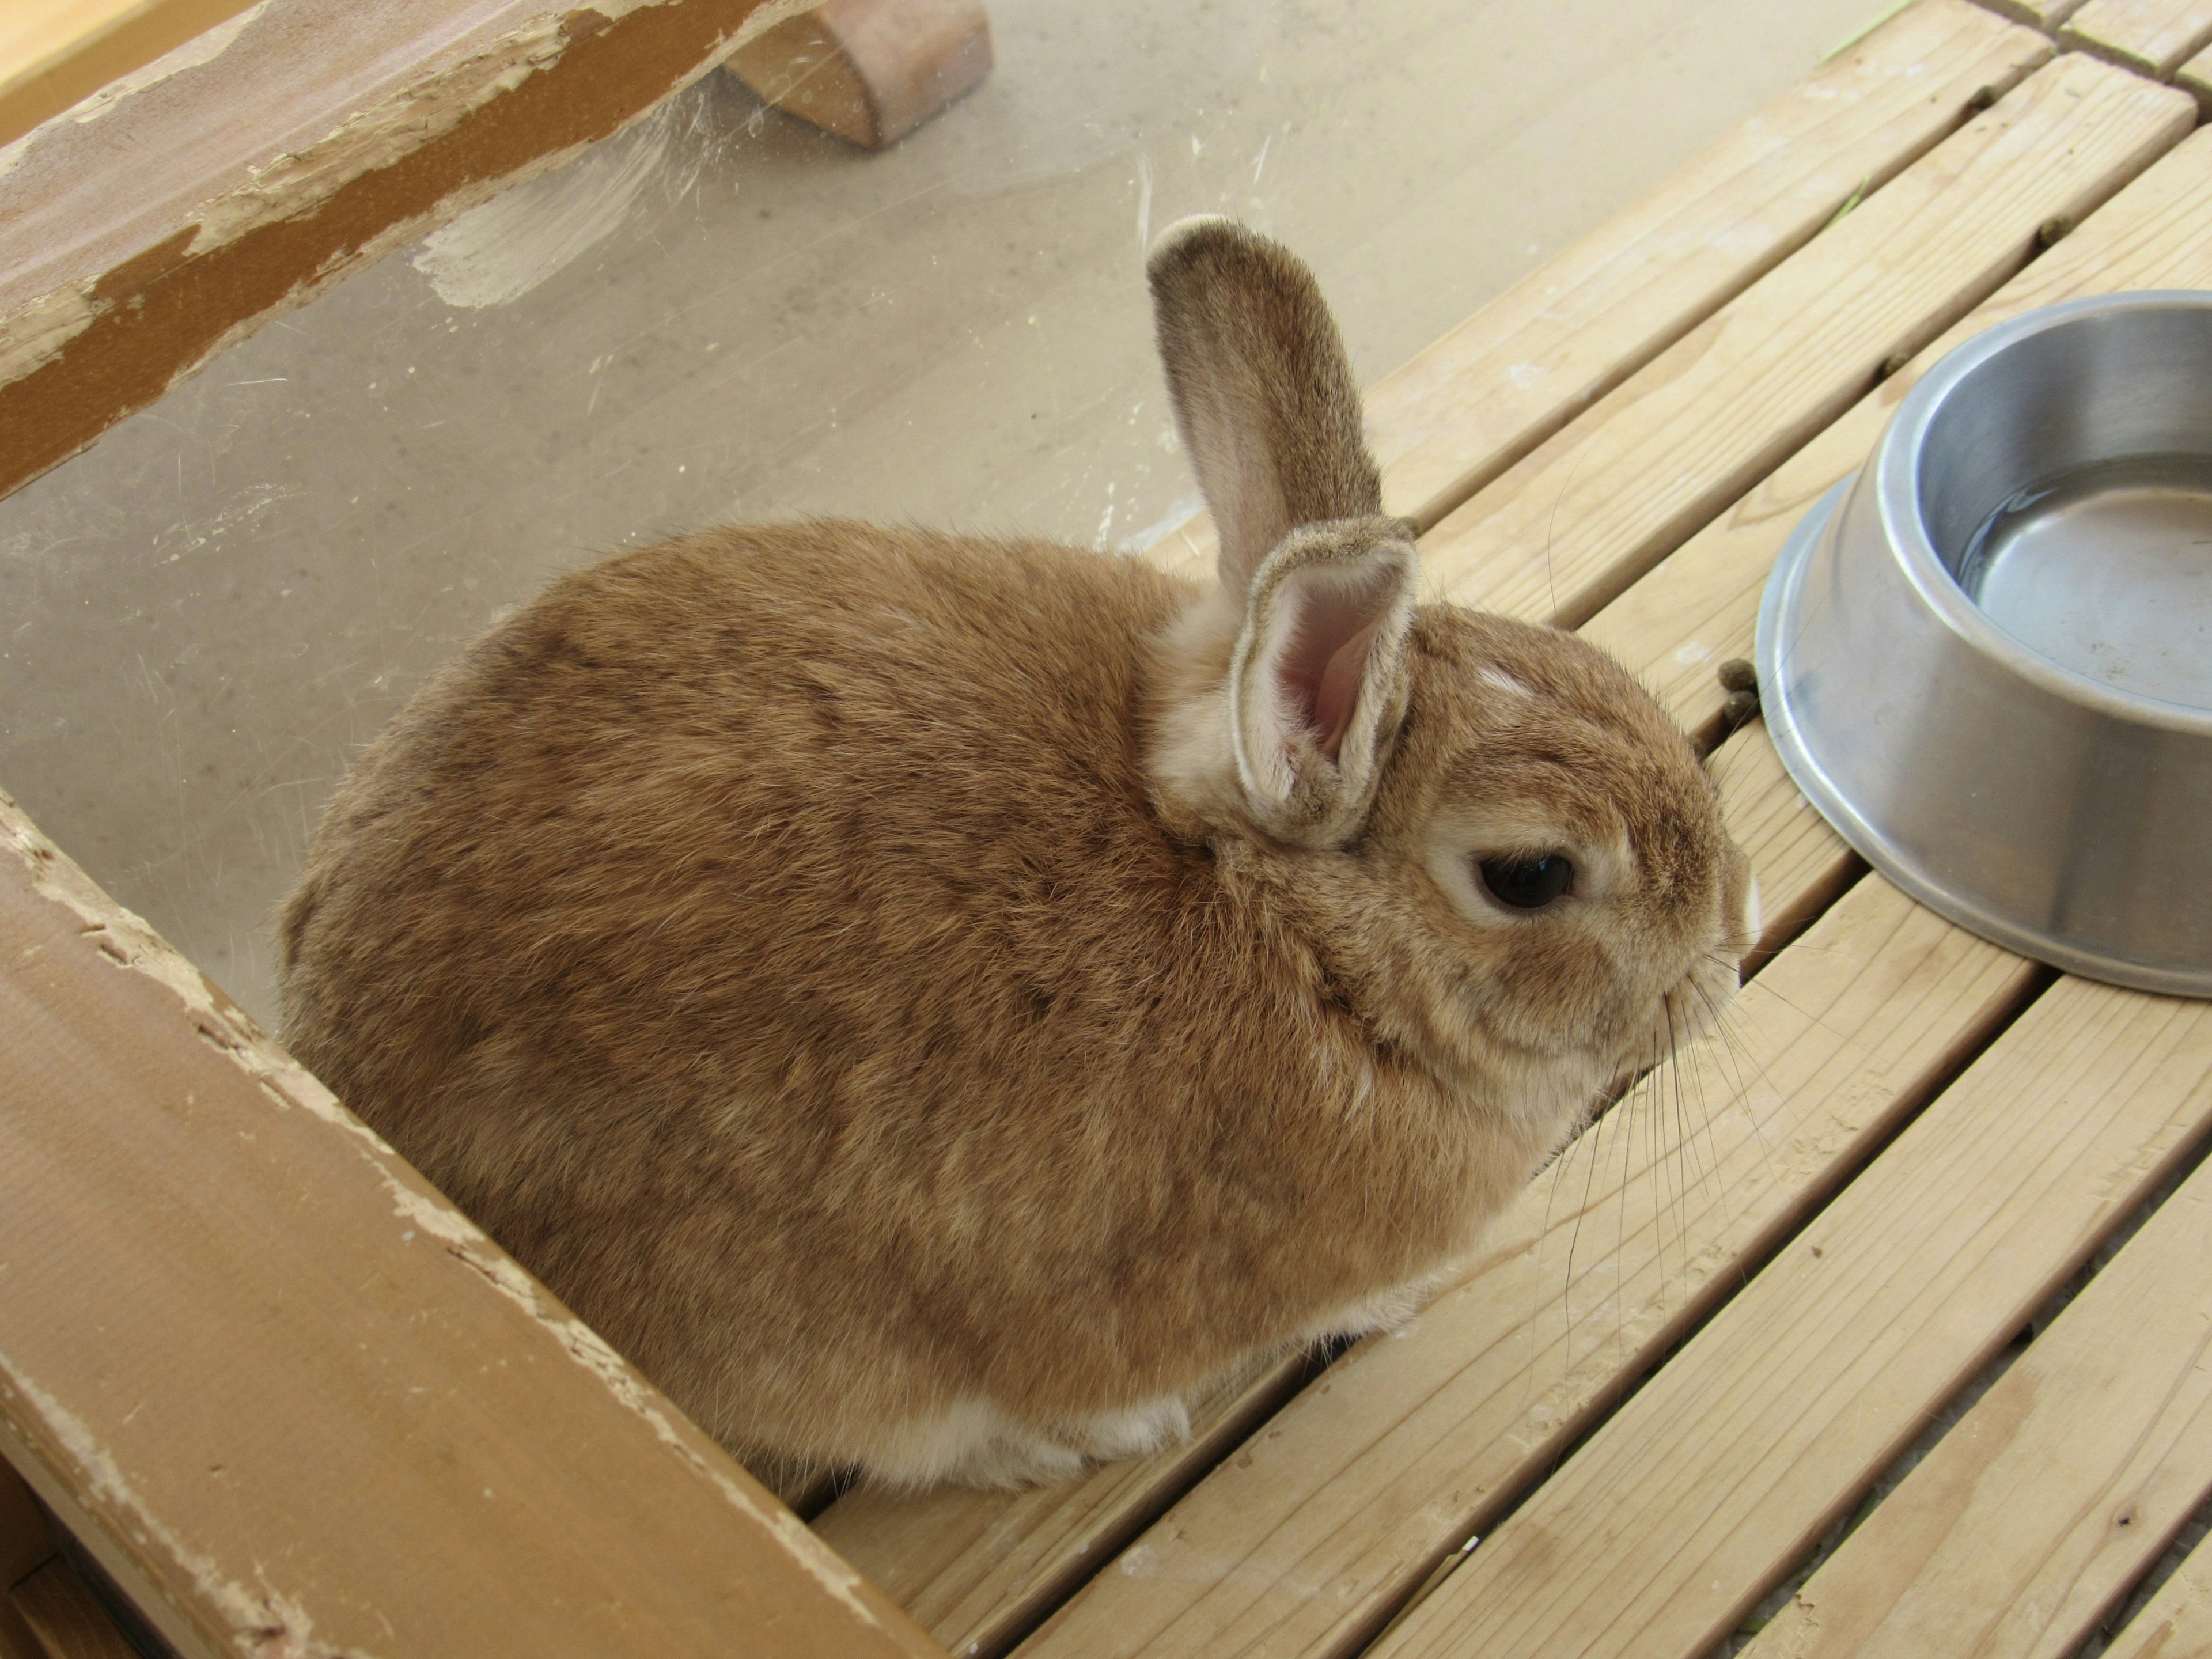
[1987,657]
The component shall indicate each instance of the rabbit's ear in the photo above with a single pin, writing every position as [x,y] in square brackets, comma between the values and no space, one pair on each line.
[1262,392]
[1319,676]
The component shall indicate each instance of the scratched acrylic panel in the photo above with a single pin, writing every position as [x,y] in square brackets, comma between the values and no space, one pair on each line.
[722,312]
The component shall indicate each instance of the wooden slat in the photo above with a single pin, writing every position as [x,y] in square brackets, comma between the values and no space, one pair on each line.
[1568,529]
[2176,1623]
[1308,1539]
[1699,1494]
[1475,402]
[1700,606]
[2029,1520]
[292,1400]
[2036,14]
[65,1619]
[2196,76]
[2153,37]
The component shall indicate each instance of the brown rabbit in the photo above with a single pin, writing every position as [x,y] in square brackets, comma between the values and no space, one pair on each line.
[938,1004]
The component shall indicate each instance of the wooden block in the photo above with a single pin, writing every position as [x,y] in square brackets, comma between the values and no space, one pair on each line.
[1700,605]
[276,1384]
[2030,1518]
[1515,373]
[1567,529]
[2176,1622]
[64,1617]
[2152,37]
[1305,1541]
[1699,1494]
[312,139]
[55,52]
[870,70]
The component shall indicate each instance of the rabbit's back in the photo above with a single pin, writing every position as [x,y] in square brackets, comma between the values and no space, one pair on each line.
[670,929]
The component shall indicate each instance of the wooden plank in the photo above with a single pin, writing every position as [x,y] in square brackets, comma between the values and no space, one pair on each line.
[1700,606]
[2176,1622]
[288,1395]
[1567,529]
[1661,1532]
[2152,37]
[2028,1522]
[978,1570]
[315,136]
[1308,1539]
[54,52]
[65,1619]
[25,1545]
[1466,408]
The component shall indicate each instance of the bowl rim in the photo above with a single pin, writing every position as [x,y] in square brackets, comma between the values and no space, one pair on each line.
[1896,478]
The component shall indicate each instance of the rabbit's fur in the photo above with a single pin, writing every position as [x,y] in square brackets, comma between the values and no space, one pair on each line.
[937,1005]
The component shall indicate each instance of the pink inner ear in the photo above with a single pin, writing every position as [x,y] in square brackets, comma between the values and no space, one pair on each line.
[1326,662]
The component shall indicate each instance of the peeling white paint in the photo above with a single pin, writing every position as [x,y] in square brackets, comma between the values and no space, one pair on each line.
[263,1623]
[500,250]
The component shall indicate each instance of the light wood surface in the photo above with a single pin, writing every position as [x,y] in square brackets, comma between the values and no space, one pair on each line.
[1669,1524]
[307,1397]
[2196,76]
[2153,37]
[2176,1623]
[1306,1540]
[55,52]
[2027,1522]
[1470,406]
[65,1619]
[1700,606]
[1564,532]
[2036,14]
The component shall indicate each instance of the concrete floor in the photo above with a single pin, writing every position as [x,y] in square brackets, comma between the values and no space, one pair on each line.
[203,617]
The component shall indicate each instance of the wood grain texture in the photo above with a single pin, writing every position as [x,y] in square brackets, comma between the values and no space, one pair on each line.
[293,1400]
[55,52]
[2176,1622]
[2036,14]
[1567,529]
[1470,406]
[65,1619]
[1308,1539]
[1700,606]
[2153,37]
[2028,1520]
[1699,1494]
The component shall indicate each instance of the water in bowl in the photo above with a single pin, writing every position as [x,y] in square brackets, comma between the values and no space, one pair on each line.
[2107,570]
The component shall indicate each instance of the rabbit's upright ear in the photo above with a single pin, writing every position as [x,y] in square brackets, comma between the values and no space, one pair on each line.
[1262,392]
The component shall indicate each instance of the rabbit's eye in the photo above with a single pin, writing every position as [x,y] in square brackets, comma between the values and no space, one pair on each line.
[1527,884]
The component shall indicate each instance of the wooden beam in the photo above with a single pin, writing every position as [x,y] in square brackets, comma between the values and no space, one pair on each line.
[1459,414]
[289,1396]
[1700,606]
[2029,1520]
[1698,1495]
[870,70]
[54,53]
[312,139]
[2152,37]
[1566,531]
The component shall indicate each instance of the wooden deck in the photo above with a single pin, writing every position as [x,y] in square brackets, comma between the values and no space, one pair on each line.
[1691,1392]
[1701,1340]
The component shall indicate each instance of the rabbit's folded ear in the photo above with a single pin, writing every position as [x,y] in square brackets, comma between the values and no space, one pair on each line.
[1262,392]
[1318,677]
